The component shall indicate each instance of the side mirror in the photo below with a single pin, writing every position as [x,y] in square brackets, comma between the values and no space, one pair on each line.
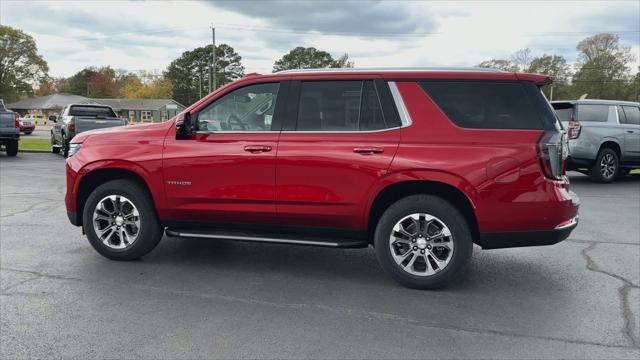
[53,118]
[183,127]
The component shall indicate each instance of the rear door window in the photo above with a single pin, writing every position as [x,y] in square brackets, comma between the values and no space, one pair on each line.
[632,114]
[593,113]
[488,105]
[339,106]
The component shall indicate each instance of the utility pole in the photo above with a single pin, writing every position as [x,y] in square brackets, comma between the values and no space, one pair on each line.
[213,59]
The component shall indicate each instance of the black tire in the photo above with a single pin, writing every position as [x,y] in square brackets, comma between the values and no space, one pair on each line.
[65,146]
[601,174]
[150,231]
[54,149]
[11,147]
[28,132]
[449,215]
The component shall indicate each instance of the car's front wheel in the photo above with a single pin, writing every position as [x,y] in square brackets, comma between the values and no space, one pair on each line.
[120,220]
[11,147]
[423,242]
[54,149]
[65,146]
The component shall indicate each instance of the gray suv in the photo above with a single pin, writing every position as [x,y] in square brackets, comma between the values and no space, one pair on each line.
[604,136]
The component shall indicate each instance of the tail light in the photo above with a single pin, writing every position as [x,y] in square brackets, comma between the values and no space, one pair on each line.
[17,123]
[72,125]
[552,153]
[574,129]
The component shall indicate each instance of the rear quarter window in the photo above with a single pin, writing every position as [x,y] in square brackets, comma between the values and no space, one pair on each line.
[491,104]
[593,113]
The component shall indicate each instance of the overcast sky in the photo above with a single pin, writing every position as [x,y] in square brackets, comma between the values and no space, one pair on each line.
[147,35]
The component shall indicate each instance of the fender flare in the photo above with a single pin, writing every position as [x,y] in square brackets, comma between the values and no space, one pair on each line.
[158,198]
[438,176]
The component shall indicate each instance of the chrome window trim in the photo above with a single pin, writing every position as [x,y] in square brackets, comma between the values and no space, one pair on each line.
[405,118]
[338,131]
[236,132]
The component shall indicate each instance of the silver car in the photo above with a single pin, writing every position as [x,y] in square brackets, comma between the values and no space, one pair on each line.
[604,136]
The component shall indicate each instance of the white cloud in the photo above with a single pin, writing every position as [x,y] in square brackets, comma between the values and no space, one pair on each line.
[148,35]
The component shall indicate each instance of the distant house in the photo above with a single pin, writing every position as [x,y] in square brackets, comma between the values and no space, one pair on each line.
[45,105]
[136,110]
[143,110]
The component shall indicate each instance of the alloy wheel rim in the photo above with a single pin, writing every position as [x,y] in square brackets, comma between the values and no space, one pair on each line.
[116,221]
[421,244]
[608,165]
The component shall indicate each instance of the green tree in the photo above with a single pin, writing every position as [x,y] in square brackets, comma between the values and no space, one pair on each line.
[190,74]
[78,83]
[21,67]
[159,88]
[557,68]
[603,67]
[310,58]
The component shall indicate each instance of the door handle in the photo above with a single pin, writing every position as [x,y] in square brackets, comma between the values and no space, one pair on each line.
[630,131]
[257,148]
[368,150]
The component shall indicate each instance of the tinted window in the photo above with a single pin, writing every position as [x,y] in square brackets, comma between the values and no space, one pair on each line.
[485,105]
[563,110]
[632,114]
[246,109]
[92,111]
[588,112]
[339,106]
[371,112]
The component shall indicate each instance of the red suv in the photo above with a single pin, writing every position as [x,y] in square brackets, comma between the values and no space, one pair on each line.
[420,164]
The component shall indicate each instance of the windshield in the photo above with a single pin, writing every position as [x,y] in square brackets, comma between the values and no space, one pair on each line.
[92,111]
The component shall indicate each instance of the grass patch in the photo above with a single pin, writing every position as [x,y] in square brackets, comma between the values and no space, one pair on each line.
[34,144]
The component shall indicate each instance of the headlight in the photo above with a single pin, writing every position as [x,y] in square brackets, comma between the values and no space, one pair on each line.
[74,148]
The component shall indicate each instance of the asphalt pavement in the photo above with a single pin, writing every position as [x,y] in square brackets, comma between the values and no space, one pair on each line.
[194,298]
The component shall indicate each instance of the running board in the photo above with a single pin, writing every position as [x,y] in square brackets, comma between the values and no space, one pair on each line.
[264,238]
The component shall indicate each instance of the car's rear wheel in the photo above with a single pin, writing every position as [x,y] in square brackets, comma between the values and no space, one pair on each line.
[11,147]
[606,166]
[120,220]
[423,242]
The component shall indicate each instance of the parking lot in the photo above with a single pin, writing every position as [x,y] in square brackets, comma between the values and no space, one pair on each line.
[216,299]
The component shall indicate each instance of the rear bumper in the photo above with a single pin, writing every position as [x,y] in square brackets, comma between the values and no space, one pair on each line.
[9,136]
[528,238]
[27,128]
[574,163]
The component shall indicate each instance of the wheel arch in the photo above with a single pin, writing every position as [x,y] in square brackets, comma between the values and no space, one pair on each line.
[448,190]
[94,175]
[613,145]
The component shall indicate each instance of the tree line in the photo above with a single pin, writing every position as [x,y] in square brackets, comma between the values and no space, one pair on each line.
[602,71]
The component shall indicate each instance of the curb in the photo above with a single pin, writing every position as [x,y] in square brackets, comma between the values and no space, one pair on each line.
[35,151]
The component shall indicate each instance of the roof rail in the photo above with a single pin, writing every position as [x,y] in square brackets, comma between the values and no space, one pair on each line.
[390,69]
